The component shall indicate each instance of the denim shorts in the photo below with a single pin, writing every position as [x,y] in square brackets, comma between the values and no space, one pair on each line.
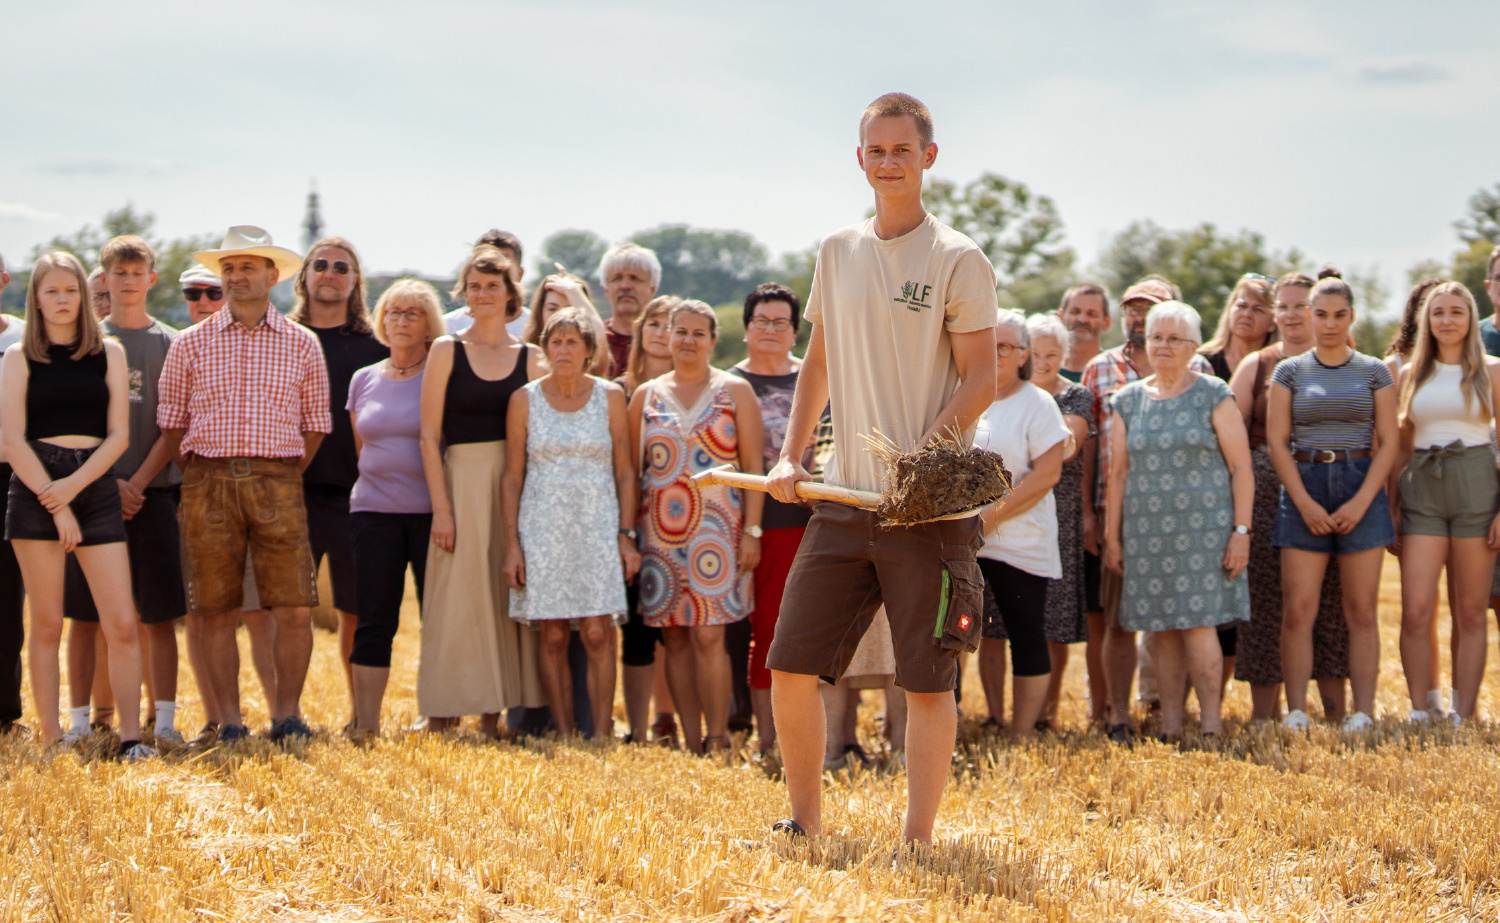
[96,507]
[1331,485]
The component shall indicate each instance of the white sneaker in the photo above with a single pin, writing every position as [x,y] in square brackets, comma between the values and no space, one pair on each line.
[1296,720]
[1359,721]
[1435,701]
[1454,717]
[171,738]
[74,735]
[137,752]
[1418,716]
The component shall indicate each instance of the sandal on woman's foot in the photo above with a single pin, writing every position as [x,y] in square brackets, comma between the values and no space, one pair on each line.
[789,827]
[664,731]
[715,745]
[1120,733]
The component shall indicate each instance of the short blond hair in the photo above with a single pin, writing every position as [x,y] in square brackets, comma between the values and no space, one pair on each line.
[418,292]
[899,104]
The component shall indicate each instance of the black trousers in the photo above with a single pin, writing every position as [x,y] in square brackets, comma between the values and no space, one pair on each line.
[387,543]
[12,628]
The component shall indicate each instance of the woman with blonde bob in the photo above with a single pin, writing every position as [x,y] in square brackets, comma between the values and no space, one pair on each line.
[66,421]
[390,509]
[563,290]
[1447,495]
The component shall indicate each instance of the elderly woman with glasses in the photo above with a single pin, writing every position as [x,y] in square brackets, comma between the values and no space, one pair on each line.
[390,510]
[1020,554]
[1181,490]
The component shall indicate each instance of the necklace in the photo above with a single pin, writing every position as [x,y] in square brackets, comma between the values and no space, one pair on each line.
[406,368]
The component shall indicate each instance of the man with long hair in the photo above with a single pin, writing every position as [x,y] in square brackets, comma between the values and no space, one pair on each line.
[330,292]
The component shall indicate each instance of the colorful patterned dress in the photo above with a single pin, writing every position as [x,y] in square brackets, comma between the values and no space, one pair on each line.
[690,536]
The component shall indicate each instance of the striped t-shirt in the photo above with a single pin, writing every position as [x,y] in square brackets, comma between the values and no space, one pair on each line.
[1333,406]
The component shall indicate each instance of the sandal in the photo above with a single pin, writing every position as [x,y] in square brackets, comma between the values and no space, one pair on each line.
[788,826]
[715,745]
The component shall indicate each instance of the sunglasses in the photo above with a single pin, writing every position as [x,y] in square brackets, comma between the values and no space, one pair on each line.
[339,266]
[1257,277]
[193,294]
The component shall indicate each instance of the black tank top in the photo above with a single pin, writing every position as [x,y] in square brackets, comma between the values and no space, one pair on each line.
[67,397]
[474,409]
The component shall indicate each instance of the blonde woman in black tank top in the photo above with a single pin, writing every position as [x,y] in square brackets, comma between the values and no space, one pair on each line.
[475,659]
[65,419]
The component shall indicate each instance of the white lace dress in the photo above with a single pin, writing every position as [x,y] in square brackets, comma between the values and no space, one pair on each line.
[570,515]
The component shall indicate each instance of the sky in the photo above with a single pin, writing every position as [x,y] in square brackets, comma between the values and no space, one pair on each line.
[1353,131]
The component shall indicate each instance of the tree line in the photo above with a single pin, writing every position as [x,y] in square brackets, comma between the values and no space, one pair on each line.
[1020,231]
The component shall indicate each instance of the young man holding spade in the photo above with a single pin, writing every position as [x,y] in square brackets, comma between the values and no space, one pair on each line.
[902,309]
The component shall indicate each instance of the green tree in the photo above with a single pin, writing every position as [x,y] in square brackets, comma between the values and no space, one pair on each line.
[713,266]
[579,252]
[172,256]
[1020,231]
[1470,266]
[1482,223]
[1203,262]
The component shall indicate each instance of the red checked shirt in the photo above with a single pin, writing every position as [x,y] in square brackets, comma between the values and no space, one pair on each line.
[1105,374]
[244,391]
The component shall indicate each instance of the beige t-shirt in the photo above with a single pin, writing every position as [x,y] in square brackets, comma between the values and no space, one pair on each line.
[887,307]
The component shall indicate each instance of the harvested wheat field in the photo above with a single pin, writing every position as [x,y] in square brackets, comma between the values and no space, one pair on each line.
[1399,824]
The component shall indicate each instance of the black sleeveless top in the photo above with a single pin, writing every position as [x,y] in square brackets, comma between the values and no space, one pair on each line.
[474,409]
[67,397]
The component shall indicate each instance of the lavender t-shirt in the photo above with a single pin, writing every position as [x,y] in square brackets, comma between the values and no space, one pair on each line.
[388,419]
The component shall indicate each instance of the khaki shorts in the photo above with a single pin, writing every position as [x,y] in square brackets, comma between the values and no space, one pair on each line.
[848,565]
[231,506]
[1452,491]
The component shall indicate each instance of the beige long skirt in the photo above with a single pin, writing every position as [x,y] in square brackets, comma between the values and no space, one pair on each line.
[475,658]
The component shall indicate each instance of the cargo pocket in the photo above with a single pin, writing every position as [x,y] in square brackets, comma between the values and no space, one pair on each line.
[960,607]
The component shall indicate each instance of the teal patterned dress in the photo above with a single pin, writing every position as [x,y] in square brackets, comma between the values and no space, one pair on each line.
[1179,512]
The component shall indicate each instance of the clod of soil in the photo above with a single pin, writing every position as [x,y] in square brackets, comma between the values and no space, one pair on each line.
[939,479]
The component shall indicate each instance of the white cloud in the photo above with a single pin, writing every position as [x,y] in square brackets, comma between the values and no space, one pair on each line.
[29,213]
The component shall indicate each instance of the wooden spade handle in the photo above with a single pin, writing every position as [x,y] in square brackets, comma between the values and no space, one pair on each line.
[807,490]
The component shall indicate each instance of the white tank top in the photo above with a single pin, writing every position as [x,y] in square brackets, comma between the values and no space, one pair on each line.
[1438,415]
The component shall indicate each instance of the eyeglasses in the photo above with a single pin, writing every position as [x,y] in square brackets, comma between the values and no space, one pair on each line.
[339,266]
[1172,343]
[1005,349]
[769,323]
[193,294]
[410,317]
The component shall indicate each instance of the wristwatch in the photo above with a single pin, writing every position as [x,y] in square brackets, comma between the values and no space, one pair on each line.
[754,531]
[1241,530]
[628,533]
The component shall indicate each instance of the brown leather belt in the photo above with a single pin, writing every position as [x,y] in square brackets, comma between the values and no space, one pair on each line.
[1327,456]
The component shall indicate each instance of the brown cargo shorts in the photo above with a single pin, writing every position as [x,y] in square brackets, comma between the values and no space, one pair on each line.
[849,565]
[231,504]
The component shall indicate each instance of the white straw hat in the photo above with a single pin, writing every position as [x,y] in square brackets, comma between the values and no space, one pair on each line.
[249,240]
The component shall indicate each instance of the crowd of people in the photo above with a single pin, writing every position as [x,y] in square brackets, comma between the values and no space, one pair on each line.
[1188,511]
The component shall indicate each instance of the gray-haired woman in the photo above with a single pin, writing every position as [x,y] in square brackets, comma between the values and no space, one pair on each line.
[1181,490]
[1066,621]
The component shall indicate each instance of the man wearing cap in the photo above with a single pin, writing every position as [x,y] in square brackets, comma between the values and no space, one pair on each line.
[12,593]
[244,402]
[202,292]
[1105,374]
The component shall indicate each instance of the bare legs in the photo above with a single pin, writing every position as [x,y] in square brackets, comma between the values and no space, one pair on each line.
[1301,584]
[698,674]
[1470,565]
[1189,655]
[1119,671]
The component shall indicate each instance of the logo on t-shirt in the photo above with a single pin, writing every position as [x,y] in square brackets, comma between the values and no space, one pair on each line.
[137,386]
[914,295]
